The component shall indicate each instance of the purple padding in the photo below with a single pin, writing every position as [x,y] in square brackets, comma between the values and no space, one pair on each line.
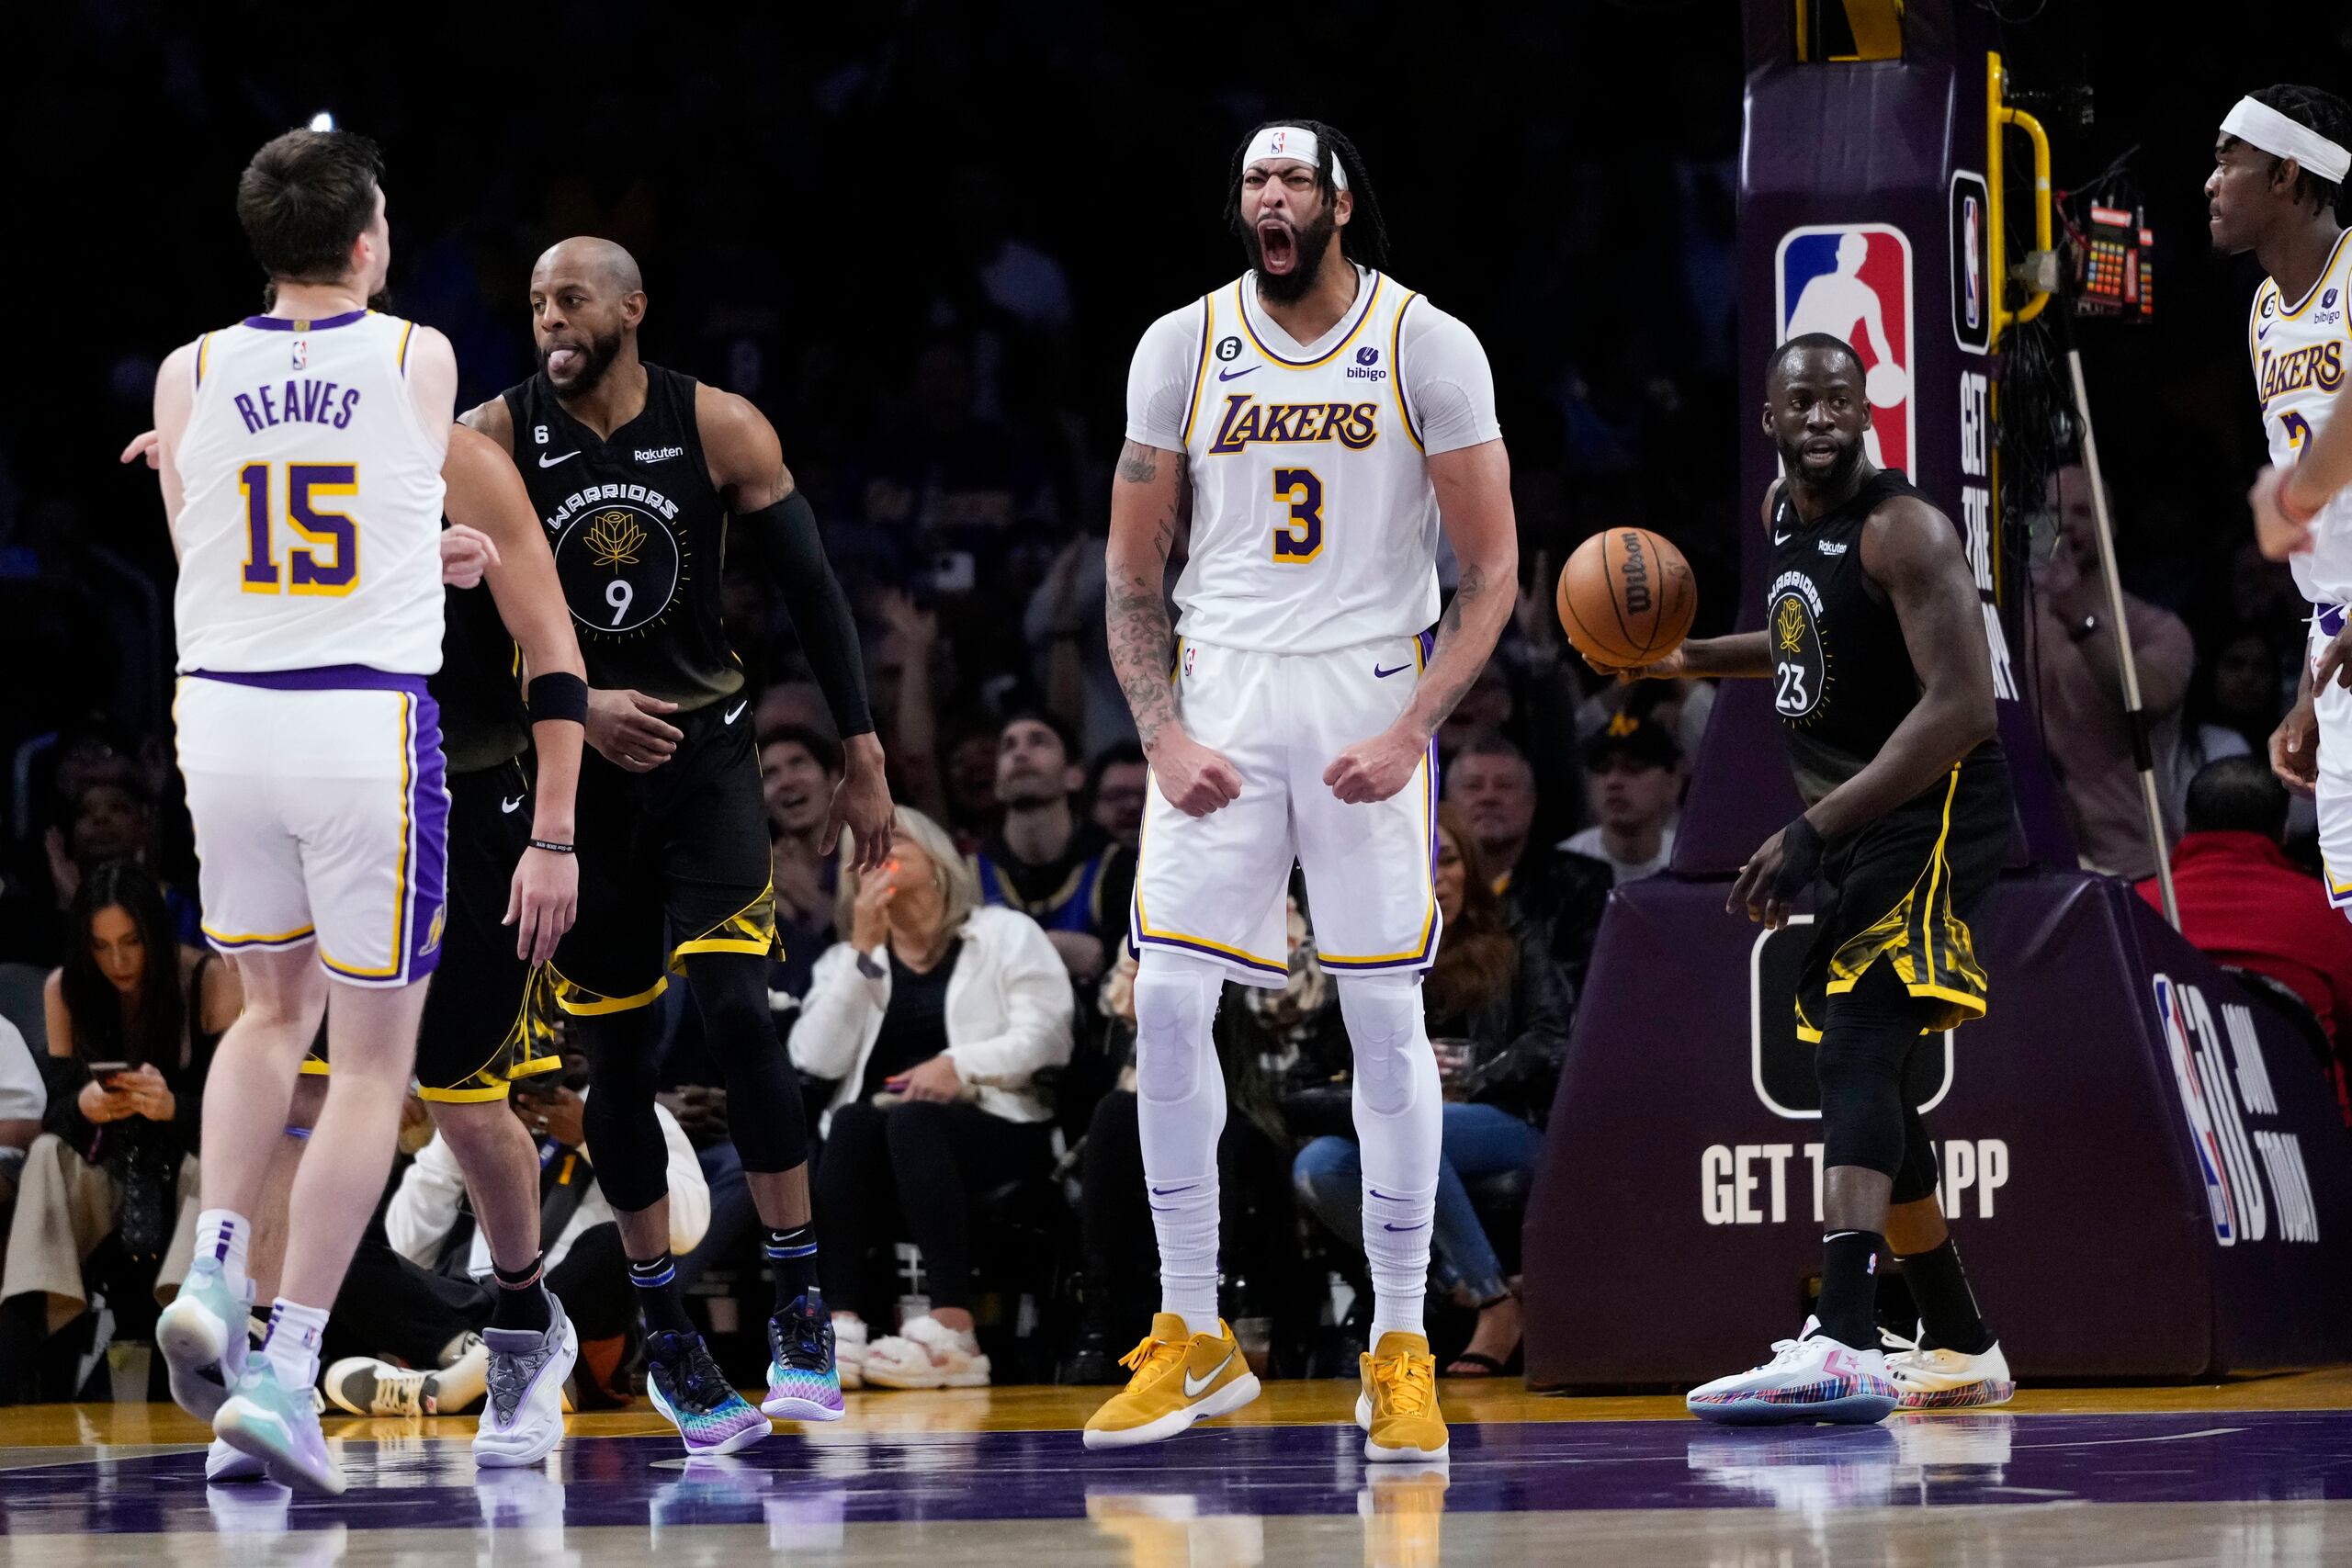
[320,678]
[1661,1248]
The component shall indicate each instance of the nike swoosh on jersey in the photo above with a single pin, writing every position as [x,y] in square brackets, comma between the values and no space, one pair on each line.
[2262,330]
[1380,674]
[1779,539]
[1236,375]
[548,462]
[508,806]
[736,712]
[1193,1388]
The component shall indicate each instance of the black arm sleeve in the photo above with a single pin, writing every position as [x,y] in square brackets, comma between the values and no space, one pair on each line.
[795,555]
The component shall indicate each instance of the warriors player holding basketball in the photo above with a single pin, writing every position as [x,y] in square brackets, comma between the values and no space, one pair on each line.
[638,474]
[2279,175]
[1875,639]
[1321,420]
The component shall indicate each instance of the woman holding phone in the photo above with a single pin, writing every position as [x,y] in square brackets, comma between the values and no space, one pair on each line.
[133,1018]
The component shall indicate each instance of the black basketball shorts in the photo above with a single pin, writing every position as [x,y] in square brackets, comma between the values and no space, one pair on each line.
[671,862]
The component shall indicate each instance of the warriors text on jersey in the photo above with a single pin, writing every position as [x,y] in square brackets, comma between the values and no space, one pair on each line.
[639,538]
[2300,349]
[1314,525]
[310,533]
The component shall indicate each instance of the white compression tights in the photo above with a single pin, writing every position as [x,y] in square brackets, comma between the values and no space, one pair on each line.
[1179,1093]
[1399,1114]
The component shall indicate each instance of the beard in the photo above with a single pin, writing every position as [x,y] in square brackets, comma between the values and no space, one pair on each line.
[1835,478]
[1311,241]
[598,358]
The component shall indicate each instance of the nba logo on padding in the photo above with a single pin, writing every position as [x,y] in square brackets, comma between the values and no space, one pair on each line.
[1853,281]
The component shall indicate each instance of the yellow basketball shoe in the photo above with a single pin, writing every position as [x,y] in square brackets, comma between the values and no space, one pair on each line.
[1397,1408]
[1179,1377]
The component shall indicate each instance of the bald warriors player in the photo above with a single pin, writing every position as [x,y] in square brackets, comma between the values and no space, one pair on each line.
[1324,419]
[639,475]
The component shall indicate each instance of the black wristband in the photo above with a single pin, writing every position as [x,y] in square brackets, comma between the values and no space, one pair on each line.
[553,848]
[1800,848]
[559,694]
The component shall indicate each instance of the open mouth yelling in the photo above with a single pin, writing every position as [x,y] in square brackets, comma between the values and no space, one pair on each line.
[1820,453]
[1277,246]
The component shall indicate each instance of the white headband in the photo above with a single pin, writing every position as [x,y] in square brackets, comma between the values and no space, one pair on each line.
[1290,142]
[2259,125]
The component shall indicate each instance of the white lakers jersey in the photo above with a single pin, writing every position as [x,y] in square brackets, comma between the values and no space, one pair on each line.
[310,536]
[1314,526]
[2299,351]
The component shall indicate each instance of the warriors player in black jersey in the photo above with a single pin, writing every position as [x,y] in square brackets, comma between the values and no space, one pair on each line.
[637,473]
[1874,639]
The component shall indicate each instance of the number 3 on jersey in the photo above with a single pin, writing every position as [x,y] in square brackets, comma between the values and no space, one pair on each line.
[331,535]
[1298,539]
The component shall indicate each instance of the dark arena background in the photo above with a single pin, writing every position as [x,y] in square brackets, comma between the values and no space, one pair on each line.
[923,240]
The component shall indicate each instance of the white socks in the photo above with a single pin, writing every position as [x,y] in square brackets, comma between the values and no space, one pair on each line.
[1180,1111]
[1400,1129]
[292,1347]
[220,1236]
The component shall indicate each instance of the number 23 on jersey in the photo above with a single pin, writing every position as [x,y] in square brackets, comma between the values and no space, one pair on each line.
[325,559]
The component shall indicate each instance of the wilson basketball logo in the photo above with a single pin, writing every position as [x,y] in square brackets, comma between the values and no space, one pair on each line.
[1636,573]
[1853,281]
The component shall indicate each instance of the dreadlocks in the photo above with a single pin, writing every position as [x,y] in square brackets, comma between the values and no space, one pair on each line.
[2323,112]
[1365,238]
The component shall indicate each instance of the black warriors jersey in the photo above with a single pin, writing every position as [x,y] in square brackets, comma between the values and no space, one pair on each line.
[639,537]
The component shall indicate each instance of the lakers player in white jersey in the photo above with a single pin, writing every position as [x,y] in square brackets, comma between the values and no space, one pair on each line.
[2276,189]
[301,456]
[1320,421]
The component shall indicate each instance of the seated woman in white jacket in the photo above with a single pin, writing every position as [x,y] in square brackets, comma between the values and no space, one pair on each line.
[935,1017]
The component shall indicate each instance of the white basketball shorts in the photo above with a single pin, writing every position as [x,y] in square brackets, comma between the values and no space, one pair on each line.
[1214,886]
[320,816]
[2334,706]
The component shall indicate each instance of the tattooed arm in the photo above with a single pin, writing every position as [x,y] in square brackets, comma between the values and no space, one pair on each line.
[1145,497]
[1472,486]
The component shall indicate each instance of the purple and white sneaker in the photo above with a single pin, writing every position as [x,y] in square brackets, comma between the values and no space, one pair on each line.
[803,1382]
[278,1426]
[1810,1378]
[695,1396]
[522,1420]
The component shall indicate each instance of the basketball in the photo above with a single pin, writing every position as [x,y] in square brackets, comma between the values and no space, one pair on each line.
[1627,598]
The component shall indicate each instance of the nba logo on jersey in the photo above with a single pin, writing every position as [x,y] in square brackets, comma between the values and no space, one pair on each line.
[302,354]
[1853,281]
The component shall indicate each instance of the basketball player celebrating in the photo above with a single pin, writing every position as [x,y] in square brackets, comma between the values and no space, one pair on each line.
[1322,418]
[485,1021]
[1884,688]
[299,454]
[2279,174]
[636,472]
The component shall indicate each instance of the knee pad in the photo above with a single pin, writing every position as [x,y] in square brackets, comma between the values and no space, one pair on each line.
[1860,1073]
[1383,1013]
[1176,1000]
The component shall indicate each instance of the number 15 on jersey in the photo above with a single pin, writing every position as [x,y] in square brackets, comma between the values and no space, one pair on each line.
[326,559]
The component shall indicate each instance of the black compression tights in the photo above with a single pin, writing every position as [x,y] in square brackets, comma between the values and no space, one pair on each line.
[764,1111]
[1870,1033]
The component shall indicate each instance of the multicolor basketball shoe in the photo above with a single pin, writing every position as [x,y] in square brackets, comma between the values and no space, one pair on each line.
[278,1426]
[803,1382]
[1948,1380]
[1810,1378]
[1179,1377]
[203,1335]
[695,1396]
